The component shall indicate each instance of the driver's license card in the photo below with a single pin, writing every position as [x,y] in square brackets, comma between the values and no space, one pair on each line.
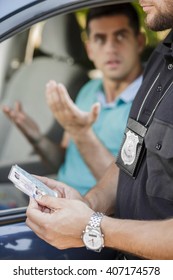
[28,183]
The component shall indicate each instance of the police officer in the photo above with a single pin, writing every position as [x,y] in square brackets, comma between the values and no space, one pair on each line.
[141,198]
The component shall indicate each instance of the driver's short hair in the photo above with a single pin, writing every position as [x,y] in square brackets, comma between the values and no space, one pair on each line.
[126,9]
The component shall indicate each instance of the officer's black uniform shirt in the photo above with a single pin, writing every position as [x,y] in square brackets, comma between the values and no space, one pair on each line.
[150,195]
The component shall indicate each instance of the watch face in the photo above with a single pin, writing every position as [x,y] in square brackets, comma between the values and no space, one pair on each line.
[93,239]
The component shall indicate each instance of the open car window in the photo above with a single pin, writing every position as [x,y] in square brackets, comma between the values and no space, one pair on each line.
[50,50]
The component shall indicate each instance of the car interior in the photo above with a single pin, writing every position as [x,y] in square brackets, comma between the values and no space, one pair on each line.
[57,53]
[12,55]
[60,56]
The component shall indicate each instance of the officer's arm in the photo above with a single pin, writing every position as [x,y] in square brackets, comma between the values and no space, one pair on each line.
[102,197]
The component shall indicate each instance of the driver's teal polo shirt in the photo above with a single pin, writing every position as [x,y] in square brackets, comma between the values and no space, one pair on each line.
[109,129]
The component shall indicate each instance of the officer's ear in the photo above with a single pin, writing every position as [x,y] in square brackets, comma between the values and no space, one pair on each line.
[141,42]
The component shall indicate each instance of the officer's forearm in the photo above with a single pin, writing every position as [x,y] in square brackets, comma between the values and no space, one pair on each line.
[145,239]
[102,197]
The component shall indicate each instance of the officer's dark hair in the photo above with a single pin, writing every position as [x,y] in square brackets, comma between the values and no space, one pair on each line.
[126,9]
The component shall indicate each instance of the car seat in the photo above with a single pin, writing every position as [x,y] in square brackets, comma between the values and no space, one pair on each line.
[12,55]
[61,58]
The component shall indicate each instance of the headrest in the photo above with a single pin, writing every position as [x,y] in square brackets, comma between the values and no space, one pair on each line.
[61,37]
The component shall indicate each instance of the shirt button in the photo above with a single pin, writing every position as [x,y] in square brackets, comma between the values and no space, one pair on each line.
[158,146]
[159,88]
[170,66]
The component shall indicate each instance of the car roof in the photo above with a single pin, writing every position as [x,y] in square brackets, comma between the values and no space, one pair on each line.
[17,15]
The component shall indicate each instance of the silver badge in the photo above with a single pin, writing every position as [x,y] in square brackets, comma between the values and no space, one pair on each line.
[128,151]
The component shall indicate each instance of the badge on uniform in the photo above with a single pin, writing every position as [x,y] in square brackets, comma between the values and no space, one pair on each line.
[132,149]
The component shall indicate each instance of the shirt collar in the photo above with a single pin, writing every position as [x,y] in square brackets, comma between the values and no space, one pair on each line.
[126,96]
[130,92]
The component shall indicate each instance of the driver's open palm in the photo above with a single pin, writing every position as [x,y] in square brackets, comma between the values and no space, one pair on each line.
[66,112]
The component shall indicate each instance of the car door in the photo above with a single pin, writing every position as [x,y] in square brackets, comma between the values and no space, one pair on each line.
[17,241]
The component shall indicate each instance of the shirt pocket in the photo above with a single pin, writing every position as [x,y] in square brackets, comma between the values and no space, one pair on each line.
[159,144]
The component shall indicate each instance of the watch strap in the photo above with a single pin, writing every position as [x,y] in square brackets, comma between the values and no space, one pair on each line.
[95,219]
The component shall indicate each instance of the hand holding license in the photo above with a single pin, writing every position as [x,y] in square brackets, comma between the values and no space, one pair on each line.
[29,184]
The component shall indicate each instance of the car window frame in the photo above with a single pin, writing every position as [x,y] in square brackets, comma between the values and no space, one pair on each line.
[23,18]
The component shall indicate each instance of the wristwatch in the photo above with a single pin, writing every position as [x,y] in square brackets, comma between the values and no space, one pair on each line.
[92,236]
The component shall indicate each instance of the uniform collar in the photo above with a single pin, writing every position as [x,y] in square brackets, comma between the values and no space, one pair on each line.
[166,47]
